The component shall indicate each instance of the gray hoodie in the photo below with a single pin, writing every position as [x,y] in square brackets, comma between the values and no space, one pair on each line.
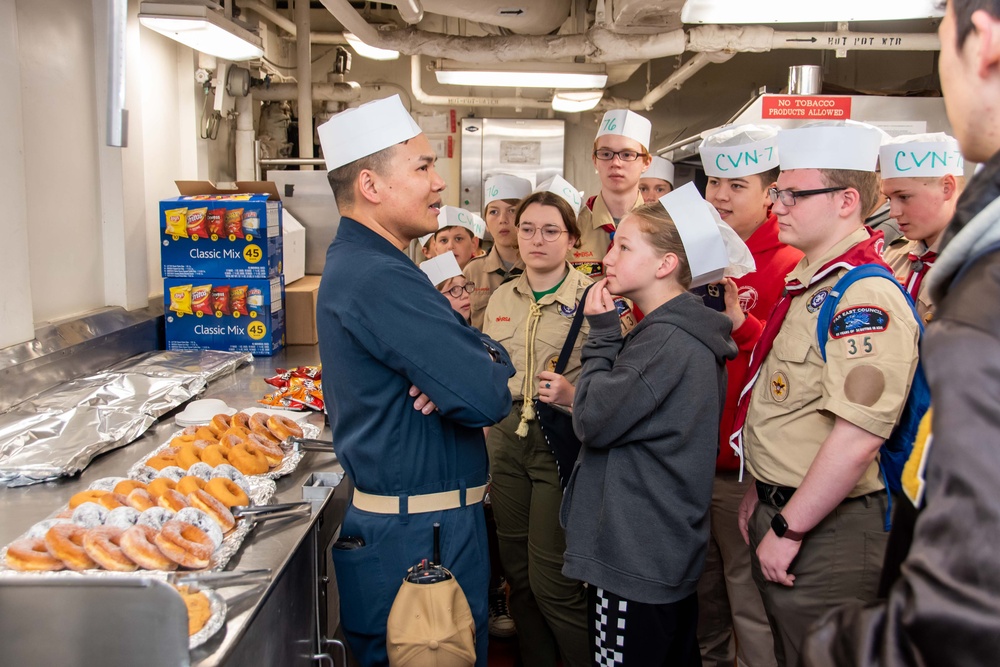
[647,410]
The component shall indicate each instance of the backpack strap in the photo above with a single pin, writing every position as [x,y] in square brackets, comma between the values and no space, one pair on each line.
[574,332]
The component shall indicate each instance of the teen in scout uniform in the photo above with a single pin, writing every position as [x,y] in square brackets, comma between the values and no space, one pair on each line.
[815,517]
[741,164]
[657,181]
[459,231]
[621,155]
[381,325]
[531,316]
[502,193]
[922,175]
[447,278]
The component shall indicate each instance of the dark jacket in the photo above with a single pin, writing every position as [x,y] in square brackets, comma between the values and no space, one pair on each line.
[647,410]
[945,607]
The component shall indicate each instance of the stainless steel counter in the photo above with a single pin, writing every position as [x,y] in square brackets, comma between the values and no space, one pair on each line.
[293,549]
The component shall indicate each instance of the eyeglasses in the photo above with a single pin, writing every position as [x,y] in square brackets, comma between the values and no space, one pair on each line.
[456,291]
[788,197]
[624,156]
[527,232]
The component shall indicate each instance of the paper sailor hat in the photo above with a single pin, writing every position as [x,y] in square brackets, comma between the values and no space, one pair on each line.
[453,216]
[921,156]
[713,249]
[660,168]
[740,151]
[626,123]
[558,185]
[834,144]
[364,130]
[505,186]
[441,268]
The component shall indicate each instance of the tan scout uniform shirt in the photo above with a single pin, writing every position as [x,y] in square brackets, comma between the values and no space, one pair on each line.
[865,379]
[897,257]
[594,241]
[488,274]
[507,317]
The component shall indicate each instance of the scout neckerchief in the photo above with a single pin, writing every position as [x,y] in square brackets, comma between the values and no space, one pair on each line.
[920,265]
[865,252]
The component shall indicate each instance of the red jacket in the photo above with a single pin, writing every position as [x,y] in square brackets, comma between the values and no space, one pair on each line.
[759,291]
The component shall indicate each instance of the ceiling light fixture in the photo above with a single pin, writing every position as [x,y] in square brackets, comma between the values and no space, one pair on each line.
[797,11]
[523,75]
[366,51]
[575,101]
[204,29]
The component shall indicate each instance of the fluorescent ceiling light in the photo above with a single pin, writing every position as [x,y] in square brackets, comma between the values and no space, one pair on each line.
[201,28]
[523,75]
[800,11]
[371,52]
[575,101]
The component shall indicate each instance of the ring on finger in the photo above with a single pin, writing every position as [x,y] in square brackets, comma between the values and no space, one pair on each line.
[548,385]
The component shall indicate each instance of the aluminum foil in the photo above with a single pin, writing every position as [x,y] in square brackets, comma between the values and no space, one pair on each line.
[217,618]
[59,432]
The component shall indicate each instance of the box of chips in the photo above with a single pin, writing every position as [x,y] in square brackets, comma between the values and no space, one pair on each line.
[207,232]
[243,315]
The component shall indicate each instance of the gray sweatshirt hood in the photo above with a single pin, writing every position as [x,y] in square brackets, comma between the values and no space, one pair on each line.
[687,311]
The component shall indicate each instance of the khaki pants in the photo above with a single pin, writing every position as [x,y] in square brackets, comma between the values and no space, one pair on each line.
[729,603]
[548,608]
[840,562]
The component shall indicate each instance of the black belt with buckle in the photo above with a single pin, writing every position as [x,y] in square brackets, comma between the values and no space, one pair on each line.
[776,496]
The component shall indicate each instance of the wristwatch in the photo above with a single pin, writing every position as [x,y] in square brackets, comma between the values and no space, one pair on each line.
[781,529]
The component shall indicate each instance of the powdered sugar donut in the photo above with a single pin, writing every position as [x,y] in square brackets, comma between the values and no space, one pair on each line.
[122,517]
[42,527]
[229,472]
[198,518]
[202,470]
[89,515]
[105,484]
[146,474]
[155,517]
[173,472]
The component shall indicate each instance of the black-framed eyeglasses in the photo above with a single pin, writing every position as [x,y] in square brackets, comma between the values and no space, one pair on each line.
[624,156]
[457,290]
[527,232]
[788,197]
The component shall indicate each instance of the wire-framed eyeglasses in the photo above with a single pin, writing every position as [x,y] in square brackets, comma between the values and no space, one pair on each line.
[527,232]
[624,156]
[456,291]
[788,197]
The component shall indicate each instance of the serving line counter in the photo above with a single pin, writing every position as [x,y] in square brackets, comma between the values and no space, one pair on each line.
[289,620]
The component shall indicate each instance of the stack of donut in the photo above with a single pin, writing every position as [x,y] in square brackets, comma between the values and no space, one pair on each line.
[157,526]
[251,444]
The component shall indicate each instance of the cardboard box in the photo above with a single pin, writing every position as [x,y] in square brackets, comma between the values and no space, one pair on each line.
[212,315]
[301,298]
[208,232]
[294,250]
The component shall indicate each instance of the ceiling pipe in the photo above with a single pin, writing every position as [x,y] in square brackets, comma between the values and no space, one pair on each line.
[671,83]
[303,63]
[411,11]
[288,26]
[448,100]
[352,21]
[332,92]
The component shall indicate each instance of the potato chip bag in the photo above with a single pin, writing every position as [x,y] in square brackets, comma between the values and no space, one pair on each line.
[220,299]
[201,300]
[176,222]
[234,222]
[217,222]
[251,224]
[180,299]
[197,225]
[255,301]
[238,300]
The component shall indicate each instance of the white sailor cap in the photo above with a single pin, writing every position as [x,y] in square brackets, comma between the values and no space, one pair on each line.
[359,132]
[626,123]
[505,186]
[441,268]
[453,216]
[740,151]
[558,185]
[921,156]
[833,144]
[661,169]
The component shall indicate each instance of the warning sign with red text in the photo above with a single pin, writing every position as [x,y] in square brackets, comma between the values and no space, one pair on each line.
[806,106]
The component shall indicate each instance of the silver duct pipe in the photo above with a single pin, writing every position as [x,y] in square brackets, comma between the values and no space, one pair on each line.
[448,100]
[303,62]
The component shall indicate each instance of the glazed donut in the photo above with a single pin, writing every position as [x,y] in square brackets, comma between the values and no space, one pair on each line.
[30,555]
[166,458]
[172,500]
[42,527]
[189,454]
[89,496]
[230,440]
[229,472]
[201,471]
[123,517]
[214,455]
[258,420]
[272,450]
[284,428]
[173,472]
[89,515]
[154,517]
[248,459]
[219,424]
[112,500]
[185,544]
[141,499]
[103,545]
[137,543]
[227,492]
[201,519]
[185,438]
[159,485]
[264,434]
[240,433]
[207,503]
[65,542]
[127,486]
[106,484]
[205,433]
[189,484]
[240,420]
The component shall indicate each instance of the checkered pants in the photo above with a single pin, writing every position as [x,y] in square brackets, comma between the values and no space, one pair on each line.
[626,632]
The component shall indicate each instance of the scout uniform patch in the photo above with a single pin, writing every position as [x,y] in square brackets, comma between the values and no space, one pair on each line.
[857,320]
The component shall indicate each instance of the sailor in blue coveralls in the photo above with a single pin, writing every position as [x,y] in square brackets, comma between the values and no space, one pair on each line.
[386,337]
